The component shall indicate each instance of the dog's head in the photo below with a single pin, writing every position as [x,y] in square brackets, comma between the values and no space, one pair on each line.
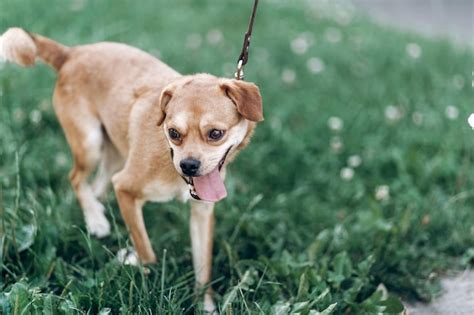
[205,120]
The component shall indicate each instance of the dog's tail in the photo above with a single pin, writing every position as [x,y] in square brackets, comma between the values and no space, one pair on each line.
[21,47]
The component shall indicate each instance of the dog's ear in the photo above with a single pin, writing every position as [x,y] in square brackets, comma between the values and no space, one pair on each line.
[164,99]
[246,97]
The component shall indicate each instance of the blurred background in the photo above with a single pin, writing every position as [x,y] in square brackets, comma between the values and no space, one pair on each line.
[355,194]
[433,18]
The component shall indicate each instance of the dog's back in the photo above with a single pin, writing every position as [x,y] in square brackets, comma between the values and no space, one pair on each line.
[104,79]
[103,66]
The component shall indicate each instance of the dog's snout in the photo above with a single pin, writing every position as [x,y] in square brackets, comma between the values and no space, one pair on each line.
[190,166]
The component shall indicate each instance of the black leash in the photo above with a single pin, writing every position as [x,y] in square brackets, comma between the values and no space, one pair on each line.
[244,55]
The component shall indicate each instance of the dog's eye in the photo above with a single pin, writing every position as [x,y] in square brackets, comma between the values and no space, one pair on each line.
[174,134]
[216,134]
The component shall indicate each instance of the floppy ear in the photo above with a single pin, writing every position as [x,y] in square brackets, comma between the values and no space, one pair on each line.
[165,98]
[246,97]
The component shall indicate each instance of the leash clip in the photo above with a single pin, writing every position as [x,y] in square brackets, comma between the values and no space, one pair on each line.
[239,74]
[244,54]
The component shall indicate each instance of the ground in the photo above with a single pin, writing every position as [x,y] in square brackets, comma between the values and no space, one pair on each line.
[457,297]
[358,183]
[446,18]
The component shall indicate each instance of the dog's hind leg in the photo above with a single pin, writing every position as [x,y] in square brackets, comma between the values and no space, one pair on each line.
[110,163]
[85,137]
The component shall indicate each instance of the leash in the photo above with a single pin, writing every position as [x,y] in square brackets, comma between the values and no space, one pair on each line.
[244,55]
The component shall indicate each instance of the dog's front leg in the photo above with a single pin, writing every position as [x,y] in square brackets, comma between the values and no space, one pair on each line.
[131,209]
[202,230]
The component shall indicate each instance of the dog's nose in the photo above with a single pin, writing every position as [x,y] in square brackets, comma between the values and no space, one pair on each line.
[189,166]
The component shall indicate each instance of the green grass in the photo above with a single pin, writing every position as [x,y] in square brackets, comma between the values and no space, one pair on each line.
[292,235]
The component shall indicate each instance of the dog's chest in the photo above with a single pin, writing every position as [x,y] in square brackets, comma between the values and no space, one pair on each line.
[162,191]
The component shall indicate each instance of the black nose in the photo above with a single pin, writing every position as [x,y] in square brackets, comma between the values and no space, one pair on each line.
[190,166]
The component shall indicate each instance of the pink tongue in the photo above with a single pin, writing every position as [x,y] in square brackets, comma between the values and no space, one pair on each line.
[210,187]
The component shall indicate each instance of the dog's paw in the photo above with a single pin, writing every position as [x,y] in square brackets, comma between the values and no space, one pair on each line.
[97,224]
[209,305]
[127,256]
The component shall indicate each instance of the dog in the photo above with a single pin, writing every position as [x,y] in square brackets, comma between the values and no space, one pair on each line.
[153,133]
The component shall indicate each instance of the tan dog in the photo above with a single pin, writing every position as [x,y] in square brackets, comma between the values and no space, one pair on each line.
[157,135]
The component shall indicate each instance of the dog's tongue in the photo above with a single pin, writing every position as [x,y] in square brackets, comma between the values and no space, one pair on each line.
[210,187]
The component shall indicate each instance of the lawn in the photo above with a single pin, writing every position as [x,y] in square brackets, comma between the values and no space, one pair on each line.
[359,178]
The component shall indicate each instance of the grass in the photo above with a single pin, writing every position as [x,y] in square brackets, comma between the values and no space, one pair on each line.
[293,235]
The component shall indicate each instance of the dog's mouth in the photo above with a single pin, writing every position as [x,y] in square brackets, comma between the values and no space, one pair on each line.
[209,187]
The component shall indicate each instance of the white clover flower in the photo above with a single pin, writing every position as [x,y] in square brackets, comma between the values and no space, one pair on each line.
[393,113]
[193,41]
[335,123]
[288,76]
[300,45]
[347,173]
[451,112]
[315,65]
[214,36]
[35,116]
[354,161]
[470,120]
[417,118]
[413,50]
[382,192]
[336,144]
[60,159]
[44,105]
[333,35]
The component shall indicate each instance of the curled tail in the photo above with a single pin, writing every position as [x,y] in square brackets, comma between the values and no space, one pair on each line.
[18,46]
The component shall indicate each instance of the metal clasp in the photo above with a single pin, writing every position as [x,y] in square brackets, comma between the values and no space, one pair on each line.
[239,74]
